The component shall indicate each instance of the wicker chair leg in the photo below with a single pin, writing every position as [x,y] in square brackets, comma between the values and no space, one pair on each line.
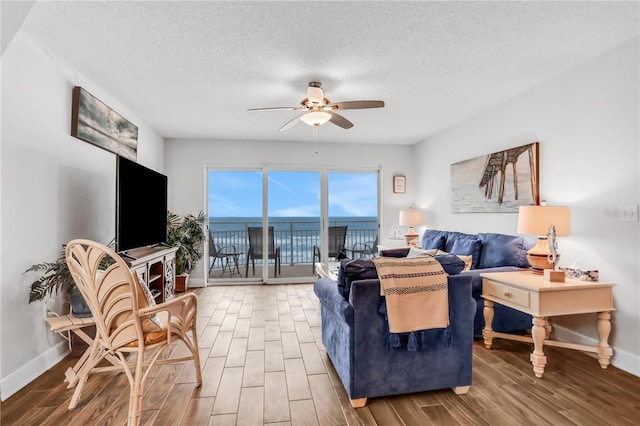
[83,374]
[196,353]
[135,397]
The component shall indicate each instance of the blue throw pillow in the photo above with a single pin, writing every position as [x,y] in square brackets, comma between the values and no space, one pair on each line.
[451,263]
[503,250]
[468,247]
[433,242]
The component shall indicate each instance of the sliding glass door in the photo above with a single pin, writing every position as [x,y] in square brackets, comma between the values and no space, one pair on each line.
[234,207]
[271,225]
[353,202]
[294,216]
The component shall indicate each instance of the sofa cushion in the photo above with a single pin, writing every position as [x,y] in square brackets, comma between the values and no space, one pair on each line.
[453,236]
[395,252]
[433,241]
[467,247]
[451,263]
[416,252]
[503,250]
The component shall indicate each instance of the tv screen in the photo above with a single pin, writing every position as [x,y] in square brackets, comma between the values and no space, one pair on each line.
[141,205]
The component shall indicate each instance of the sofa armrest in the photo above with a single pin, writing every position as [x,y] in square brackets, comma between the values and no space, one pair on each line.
[330,297]
[365,300]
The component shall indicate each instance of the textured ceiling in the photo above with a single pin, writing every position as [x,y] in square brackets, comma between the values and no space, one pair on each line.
[191,69]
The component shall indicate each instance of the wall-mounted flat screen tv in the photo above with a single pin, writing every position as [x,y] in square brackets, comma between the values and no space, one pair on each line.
[141,206]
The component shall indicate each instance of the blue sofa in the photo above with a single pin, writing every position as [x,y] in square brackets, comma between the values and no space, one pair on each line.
[490,253]
[354,333]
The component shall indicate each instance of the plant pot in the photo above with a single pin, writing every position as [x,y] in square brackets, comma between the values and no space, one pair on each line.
[181,282]
[79,307]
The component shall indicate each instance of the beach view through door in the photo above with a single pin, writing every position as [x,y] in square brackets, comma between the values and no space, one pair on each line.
[298,229]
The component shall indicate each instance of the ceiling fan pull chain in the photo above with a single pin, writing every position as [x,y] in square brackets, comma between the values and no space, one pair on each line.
[315,140]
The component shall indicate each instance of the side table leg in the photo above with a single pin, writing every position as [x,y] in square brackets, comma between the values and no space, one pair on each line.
[604,328]
[548,329]
[538,332]
[487,333]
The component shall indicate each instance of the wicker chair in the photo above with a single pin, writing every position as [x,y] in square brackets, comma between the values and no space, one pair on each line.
[127,320]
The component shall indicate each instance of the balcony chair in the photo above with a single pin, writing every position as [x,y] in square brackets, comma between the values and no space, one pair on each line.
[255,250]
[127,321]
[228,256]
[337,238]
[364,250]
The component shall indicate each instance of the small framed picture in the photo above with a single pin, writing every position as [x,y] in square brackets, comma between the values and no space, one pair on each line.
[399,184]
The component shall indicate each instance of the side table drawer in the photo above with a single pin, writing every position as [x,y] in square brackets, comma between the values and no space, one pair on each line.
[509,294]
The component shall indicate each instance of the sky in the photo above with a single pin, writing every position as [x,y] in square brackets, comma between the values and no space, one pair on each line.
[291,194]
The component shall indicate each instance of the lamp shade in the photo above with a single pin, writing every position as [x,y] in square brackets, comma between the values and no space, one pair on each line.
[316,118]
[410,217]
[535,220]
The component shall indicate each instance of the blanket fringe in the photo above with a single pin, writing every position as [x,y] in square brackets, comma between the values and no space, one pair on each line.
[393,341]
[414,342]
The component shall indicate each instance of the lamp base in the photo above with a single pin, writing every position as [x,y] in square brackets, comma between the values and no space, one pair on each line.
[410,237]
[538,256]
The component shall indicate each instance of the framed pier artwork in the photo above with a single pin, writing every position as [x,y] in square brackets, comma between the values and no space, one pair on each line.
[498,182]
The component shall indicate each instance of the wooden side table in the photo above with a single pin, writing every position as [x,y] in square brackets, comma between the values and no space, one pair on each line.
[530,293]
[64,323]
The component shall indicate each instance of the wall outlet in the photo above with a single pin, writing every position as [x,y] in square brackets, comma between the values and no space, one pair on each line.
[628,213]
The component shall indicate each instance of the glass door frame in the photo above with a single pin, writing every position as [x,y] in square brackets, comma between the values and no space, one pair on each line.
[324,215]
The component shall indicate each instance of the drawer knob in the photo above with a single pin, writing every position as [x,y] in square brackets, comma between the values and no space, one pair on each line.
[507,294]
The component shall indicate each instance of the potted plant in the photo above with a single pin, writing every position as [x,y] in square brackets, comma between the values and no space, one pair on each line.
[56,277]
[187,233]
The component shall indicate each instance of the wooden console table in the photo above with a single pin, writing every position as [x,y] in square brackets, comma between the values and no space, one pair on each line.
[156,266]
[530,293]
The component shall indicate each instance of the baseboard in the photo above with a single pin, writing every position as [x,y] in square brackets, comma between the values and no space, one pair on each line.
[196,282]
[32,370]
[621,359]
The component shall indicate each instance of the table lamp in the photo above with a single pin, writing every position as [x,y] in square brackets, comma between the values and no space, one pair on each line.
[410,218]
[548,222]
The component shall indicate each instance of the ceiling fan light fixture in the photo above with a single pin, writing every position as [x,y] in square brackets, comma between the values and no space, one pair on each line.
[315,94]
[316,118]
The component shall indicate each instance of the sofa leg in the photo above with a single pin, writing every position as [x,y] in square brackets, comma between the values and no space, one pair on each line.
[358,403]
[460,390]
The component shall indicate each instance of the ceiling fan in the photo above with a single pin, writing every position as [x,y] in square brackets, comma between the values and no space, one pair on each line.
[318,109]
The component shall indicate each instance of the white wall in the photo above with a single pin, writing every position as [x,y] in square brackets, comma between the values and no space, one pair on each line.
[587,122]
[54,188]
[187,160]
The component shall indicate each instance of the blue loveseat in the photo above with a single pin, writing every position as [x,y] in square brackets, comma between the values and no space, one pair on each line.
[490,253]
[354,333]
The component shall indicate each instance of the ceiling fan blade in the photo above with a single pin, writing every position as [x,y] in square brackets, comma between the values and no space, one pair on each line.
[277,109]
[339,120]
[291,123]
[356,105]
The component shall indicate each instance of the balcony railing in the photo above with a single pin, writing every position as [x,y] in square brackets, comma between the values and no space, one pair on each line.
[296,239]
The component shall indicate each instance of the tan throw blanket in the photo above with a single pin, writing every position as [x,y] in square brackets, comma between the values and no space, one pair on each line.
[416,293]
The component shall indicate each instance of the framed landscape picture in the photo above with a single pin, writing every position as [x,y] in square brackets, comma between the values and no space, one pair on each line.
[96,123]
[498,182]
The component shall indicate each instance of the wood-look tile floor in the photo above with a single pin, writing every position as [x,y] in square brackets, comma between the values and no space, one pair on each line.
[263,362]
